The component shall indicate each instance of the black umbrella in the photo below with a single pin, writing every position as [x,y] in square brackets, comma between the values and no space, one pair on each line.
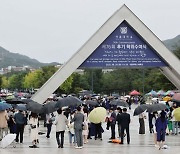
[15,101]
[156,107]
[34,107]
[140,109]
[28,96]
[49,107]
[68,101]
[91,102]
[21,107]
[4,106]
[26,101]
[119,102]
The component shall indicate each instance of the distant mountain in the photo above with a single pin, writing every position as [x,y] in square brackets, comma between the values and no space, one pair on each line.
[8,58]
[173,44]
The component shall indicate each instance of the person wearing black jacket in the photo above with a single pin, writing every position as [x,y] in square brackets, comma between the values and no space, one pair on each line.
[112,120]
[118,122]
[20,120]
[124,121]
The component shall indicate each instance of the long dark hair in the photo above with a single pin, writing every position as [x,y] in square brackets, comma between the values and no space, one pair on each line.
[34,115]
[163,116]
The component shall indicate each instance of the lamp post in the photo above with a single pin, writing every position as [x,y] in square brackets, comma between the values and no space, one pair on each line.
[143,80]
[92,82]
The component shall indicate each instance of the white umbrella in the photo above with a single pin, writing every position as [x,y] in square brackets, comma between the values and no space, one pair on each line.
[162,102]
[7,140]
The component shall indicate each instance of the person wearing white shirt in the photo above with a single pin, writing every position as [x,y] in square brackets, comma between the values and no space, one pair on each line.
[61,121]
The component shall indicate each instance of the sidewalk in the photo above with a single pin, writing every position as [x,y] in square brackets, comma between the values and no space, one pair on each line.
[140,144]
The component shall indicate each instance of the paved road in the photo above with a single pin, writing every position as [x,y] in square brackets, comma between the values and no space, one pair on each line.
[141,144]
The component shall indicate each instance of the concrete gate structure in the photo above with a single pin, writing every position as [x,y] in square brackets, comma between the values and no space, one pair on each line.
[123,41]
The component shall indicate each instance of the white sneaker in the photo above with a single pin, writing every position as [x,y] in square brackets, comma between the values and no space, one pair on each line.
[78,147]
[157,146]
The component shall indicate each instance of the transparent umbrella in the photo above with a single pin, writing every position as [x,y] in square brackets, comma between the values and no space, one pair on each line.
[7,140]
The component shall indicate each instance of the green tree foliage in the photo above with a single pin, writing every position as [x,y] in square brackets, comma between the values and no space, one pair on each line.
[47,72]
[67,85]
[76,83]
[4,83]
[16,81]
[33,79]
[94,80]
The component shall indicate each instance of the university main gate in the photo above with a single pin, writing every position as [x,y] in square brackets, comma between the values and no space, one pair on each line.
[122,42]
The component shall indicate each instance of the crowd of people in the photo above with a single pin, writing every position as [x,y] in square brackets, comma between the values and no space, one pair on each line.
[80,129]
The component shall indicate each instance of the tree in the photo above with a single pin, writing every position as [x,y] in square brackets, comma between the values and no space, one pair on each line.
[33,79]
[47,72]
[16,81]
[76,83]
[4,83]
[67,85]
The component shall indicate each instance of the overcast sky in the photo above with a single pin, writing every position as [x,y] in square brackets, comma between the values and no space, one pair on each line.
[53,30]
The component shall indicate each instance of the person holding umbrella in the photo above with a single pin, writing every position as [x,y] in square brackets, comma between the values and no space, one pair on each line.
[161,124]
[78,127]
[20,120]
[112,120]
[118,121]
[141,123]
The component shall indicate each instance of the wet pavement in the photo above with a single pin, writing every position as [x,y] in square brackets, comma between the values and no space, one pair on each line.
[141,144]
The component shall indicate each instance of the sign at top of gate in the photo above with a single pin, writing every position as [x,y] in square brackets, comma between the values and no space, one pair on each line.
[124,47]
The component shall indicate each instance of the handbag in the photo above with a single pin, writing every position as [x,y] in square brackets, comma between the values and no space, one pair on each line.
[33,126]
[84,126]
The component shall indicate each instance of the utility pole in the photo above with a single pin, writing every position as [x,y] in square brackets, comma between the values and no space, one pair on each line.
[92,82]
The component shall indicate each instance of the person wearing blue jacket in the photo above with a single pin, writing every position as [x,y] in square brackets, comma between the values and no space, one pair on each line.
[161,125]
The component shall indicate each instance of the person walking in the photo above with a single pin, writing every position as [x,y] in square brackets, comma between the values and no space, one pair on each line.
[78,127]
[3,123]
[49,121]
[174,121]
[34,130]
[71,128]
[154,118]
[150,116]
[61,121]
[141,123]
[20,120]
[124,122]
[85,127]
[11,122]
[112,120]
[98,131]
[161,124]
[118,121]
